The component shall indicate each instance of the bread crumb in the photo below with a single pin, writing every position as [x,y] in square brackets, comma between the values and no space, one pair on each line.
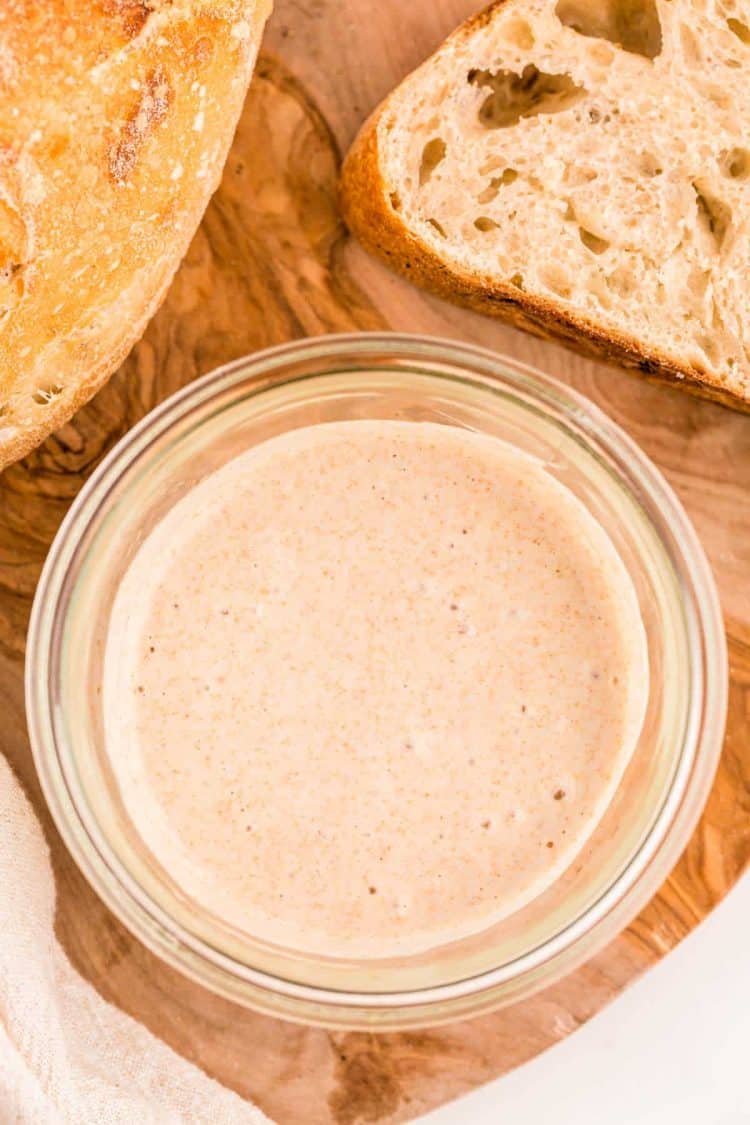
[601,153]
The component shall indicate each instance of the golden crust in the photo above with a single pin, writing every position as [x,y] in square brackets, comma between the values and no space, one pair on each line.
[118,115]
[368,212]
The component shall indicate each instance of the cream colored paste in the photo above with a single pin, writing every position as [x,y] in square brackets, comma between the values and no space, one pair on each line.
[370,686]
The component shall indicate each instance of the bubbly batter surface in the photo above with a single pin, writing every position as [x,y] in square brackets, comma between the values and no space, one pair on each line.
[371,685]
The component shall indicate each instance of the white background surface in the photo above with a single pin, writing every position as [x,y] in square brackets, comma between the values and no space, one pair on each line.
[674,1049]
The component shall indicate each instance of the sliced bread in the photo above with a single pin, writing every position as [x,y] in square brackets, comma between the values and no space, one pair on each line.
[116,120]
[581,167]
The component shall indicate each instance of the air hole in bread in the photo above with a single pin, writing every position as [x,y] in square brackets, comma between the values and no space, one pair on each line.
[515,96]
[698,281]
[599,292]
[509,176]
[631,24]
[43,395]
[395,199]
[517,32]
[650,165]
[10,270]
[740,29]
[710,348]
[491,165]
[592,242]
[438,227]
[690,45]
[601,53]
[576,175]
[517,280]
[719,97]
[556,280]
[485,223]
[736,163]
[622,282]
[661,293]
[714,215]
[432,154]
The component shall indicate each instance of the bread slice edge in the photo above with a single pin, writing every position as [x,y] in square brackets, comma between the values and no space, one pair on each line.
[367,211]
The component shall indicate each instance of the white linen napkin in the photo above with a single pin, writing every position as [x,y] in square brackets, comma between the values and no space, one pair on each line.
[67,1057]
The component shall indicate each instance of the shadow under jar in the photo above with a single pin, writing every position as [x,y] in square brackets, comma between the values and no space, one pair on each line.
[407,379]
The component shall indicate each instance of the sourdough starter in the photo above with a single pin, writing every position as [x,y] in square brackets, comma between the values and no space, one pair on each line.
[370,686]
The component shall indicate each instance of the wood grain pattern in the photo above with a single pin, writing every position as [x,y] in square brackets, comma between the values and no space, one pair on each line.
[271,262]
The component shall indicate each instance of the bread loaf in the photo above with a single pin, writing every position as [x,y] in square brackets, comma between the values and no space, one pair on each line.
[116,119]
[582,167]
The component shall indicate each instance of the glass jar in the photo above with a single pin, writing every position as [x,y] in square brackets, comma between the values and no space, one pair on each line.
[381,376]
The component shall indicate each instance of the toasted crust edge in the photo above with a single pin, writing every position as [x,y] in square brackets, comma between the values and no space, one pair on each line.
[367,212]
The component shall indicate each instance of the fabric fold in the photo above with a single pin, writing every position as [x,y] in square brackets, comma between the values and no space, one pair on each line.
[67,1055]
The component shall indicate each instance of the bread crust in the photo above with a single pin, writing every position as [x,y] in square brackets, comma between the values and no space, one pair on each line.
[371,217]
[109,153]
[65,406]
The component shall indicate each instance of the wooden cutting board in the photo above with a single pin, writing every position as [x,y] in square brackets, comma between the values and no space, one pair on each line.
[271,262]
